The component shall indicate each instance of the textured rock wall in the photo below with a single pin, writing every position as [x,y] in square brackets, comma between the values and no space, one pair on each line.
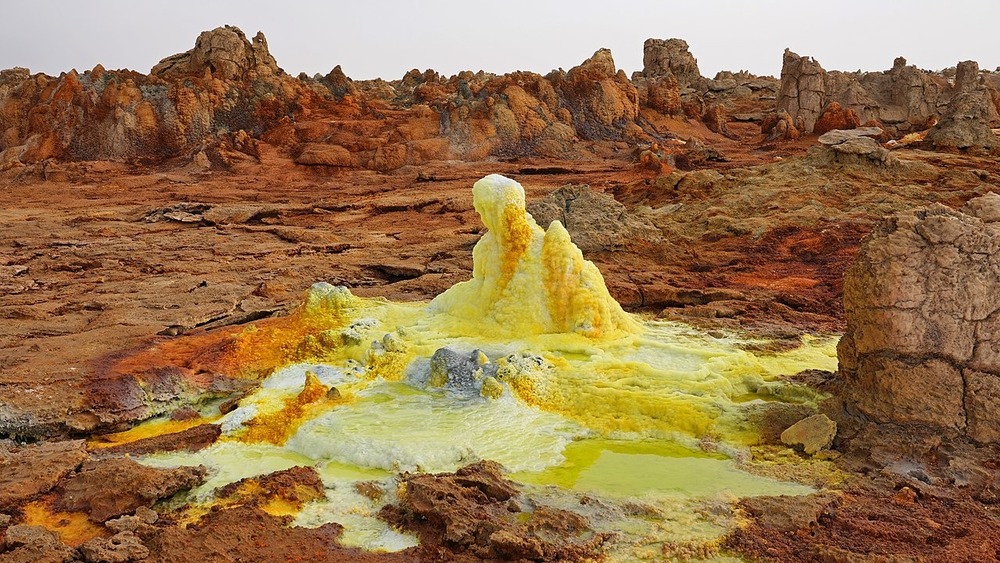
[966,122]
[663,57]
[224,85]
[922,345]
[901,99]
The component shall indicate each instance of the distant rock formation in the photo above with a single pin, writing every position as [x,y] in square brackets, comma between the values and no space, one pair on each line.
[670,57]
[922,346]
[901,99]
[215,104]
[966,122]
[221,94]
[670,83]
[224,53]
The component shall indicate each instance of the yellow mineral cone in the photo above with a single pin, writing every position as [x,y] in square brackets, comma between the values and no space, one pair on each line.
[527,281]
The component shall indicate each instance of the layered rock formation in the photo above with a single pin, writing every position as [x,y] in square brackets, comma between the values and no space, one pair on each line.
[966,122]
[901,99]
[921,347]
[670,57]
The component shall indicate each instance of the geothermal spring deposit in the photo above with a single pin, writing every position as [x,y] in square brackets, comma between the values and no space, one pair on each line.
[249,316]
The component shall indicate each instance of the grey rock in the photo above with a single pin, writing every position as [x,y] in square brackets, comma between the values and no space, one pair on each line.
[966,122]
[838,136]
[462,372]
[596,221]
[671,56]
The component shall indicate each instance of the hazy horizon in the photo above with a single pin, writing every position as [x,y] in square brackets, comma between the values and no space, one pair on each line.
[388,39]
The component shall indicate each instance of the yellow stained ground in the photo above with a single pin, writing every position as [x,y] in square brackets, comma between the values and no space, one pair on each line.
[614,407]
[74,528]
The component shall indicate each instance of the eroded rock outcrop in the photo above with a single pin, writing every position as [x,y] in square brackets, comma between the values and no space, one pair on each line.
[217,92]
[803,90]
[223,53]
[595,221]
[663,57]
[923,323]
[603,101]
[966,122]
[901,99]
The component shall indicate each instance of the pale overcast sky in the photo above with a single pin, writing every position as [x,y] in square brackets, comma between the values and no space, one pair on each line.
[385,38]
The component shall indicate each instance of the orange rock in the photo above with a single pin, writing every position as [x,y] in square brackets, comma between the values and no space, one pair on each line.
[836,117]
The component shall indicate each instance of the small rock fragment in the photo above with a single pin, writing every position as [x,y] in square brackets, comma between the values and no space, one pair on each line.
[812,434]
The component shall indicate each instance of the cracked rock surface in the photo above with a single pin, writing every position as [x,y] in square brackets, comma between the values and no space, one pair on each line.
[923,316]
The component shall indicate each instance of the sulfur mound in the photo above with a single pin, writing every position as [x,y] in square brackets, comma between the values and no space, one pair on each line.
[526,280]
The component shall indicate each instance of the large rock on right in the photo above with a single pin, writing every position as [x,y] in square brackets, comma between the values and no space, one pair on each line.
[922,346]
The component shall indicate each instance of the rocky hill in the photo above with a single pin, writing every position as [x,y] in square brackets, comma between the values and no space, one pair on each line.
[217,101]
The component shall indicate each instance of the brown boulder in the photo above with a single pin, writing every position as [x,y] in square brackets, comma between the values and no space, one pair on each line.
[123,547]
[108,489]
[920,300]
[716,120]
[779,126]
[315,154]
[34,544]
[477,513]
[30,471]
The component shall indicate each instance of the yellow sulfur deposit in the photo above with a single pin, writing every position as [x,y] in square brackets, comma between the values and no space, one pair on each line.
[525,280]
[530,363]
[74,528]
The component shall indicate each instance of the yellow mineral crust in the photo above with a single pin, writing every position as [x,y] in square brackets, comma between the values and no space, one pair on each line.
[276,427]
[526,281]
